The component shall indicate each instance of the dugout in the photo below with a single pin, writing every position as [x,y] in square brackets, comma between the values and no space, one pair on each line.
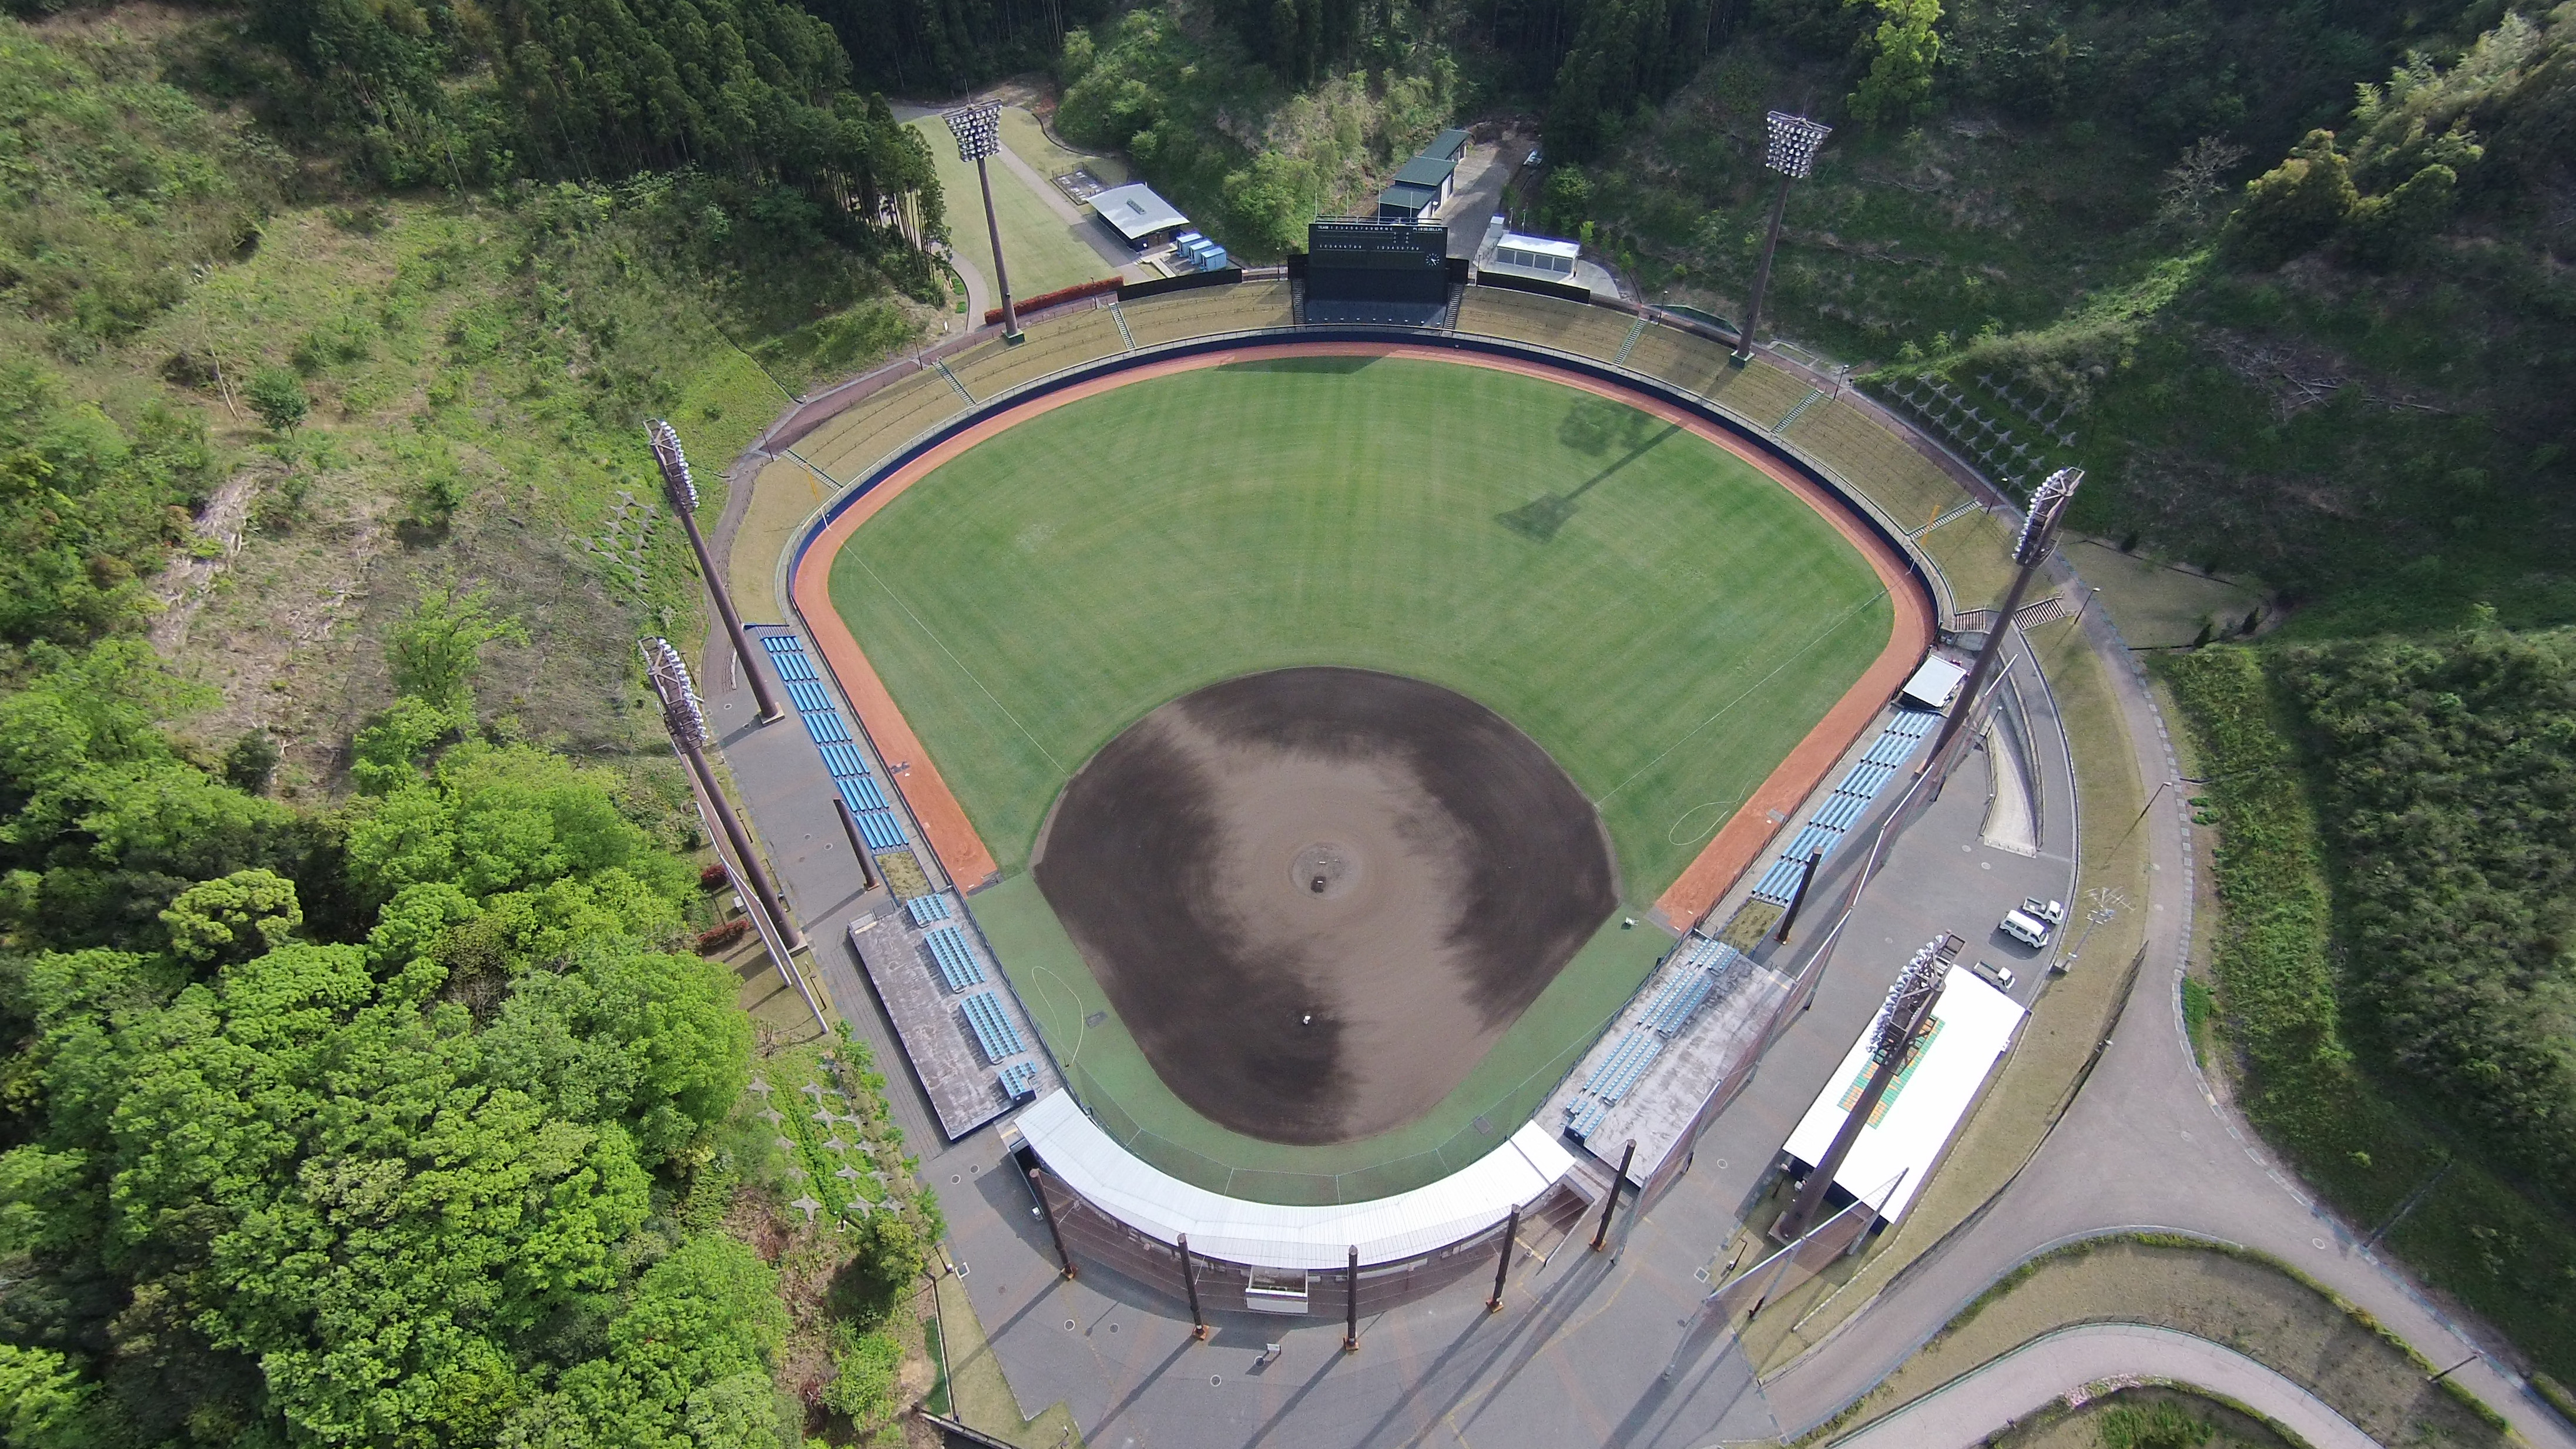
[1377,272]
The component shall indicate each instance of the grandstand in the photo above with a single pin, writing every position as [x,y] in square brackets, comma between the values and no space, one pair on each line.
[1843,808]
[878,824]
[956,960]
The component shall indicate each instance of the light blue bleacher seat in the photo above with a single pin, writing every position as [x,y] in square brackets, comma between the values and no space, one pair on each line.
[1645,1047]
[1584,1114]
[1779,881]
[926,909]
[1913,724]
[957,963]
[880,829]
[844,761]
[808,695]
[862,793]
[1687,994]
[825,727]
[1891,749]
[1840,811]
[1865,780]
[993,1030]
[1813,838]
[1020,1079]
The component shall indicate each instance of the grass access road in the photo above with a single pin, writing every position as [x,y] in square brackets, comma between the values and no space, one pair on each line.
[1661,618]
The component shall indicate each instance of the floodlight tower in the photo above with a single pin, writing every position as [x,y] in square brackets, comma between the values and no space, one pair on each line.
[1900,1018]
[686,718]
[682,491]
[1790,150]
[978,129]
[2038,536]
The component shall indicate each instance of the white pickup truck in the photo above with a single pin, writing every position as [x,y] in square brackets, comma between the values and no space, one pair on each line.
[2032,923]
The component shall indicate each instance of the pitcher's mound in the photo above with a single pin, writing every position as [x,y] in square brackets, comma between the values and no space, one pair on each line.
[1317,896]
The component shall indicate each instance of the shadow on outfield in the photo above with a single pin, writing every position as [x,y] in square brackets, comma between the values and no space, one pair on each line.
[1543,517]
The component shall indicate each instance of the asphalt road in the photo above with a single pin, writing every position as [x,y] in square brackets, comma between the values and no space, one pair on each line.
[2145,1145]
[1965,1410]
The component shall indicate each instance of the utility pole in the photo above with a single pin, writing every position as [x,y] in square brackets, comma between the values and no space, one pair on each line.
[687,722]
[1797,898]
[1503,1264]
[2038,536]
[1900,1018]
[1610,1199]
[1790,149]
[682,492]
[978,129]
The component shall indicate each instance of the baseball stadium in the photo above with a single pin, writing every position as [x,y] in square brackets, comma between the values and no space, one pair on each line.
[1322,754]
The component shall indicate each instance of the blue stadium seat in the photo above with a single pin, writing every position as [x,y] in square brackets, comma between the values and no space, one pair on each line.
[993,1030]
[793,665]
[1815,837]
[844,761]
[825,726]
[1865,780]
[1584,1114]
[880,829]
[1779,881]
[1020,1079]
[808,695]
[957,963]
[1914,724]
[1891,749]
[862,793]
[926,909]
[1840,811]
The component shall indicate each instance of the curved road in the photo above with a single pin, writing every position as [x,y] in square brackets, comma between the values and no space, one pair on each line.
[2144,1144]
[1965,1410]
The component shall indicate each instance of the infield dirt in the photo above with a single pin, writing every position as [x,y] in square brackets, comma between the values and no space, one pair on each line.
[1317,896]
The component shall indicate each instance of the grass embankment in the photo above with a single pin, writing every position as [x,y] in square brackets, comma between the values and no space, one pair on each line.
[1662,619]
[2385,1165]
[1044,251]
[2067,1021]
[2240,1299]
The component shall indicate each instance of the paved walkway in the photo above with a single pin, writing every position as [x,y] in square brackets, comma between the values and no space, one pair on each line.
[1968,1408]
[2145,1145]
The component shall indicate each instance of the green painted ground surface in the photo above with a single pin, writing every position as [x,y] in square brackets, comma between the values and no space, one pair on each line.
[1662,619]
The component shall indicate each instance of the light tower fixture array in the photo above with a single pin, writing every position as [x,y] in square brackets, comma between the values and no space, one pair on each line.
[1789,148]
[978,129]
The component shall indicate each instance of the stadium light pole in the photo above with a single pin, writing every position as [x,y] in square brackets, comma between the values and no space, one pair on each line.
[1790,149]
[687,721]
[682,491]
[978,129]
[2038,536]
[1900,1017]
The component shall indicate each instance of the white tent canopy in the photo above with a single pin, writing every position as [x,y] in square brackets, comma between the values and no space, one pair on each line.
[1973,1024]
[1273,1235]
[1935,683]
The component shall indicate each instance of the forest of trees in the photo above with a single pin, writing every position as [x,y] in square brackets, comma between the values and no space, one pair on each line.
[2450,806]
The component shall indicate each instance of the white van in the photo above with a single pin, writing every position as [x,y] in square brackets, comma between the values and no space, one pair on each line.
[2026,928]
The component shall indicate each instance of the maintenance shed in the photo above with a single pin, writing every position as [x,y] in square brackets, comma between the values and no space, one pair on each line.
[1423,186]
[1137,215]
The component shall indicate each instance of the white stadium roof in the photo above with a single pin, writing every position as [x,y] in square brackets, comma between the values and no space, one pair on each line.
[1273,1235]
[1920,1112]
[1136,211]
[1935,683]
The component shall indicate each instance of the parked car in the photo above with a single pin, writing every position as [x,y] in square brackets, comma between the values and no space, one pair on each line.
[2030,930]
[2000,978]
[2053,912]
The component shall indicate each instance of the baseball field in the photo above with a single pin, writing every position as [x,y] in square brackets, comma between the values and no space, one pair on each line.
[1662,618]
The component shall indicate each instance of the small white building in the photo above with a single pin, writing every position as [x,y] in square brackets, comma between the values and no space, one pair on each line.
[1936,683]
[1546,258]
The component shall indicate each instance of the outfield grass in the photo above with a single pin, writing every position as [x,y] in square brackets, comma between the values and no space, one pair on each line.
[1682,625]
[1688,622]
[1042,249]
